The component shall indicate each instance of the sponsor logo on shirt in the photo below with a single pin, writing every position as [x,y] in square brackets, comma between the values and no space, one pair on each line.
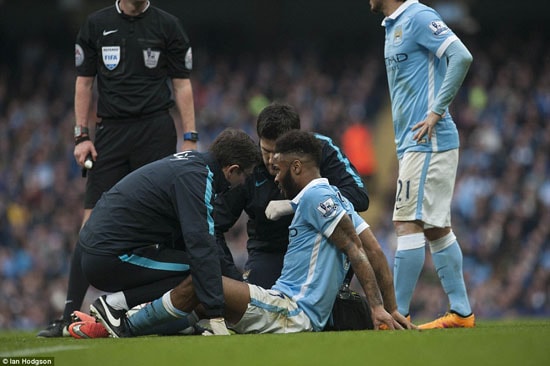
[182,155]
[107,32]
[438,27]
[260,183]
[151,58]
[393,61]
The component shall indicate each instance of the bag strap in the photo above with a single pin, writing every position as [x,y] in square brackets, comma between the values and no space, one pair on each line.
[349,276]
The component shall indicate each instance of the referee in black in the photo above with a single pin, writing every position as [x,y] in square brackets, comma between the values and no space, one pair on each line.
[133,49]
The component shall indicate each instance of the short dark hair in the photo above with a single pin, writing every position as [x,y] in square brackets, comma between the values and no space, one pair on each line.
[276,119]
[233,146]
[300,143]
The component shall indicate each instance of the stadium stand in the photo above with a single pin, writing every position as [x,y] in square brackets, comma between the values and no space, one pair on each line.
[502,198]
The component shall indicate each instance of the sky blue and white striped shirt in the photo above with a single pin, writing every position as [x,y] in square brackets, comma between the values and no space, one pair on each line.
[314,268]
[416,39]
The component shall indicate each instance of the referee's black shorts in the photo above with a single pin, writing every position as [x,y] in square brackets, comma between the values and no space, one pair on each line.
[125,145]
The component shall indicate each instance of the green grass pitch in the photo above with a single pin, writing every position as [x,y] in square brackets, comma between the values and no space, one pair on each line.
[504,342]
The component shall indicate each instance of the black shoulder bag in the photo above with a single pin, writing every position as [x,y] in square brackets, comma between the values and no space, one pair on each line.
[350,310]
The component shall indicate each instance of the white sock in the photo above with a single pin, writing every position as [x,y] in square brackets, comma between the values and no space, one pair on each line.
[117,301]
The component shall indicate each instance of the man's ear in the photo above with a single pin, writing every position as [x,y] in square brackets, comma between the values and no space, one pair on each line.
[233,168]
[229,169]
[297,167]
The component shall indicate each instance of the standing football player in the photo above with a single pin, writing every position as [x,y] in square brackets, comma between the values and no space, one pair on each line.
[426,64]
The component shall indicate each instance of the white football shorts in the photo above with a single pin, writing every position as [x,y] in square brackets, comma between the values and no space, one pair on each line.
[271,311]
[425,187]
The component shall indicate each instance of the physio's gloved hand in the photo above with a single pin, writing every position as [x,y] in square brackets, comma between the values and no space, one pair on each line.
[277,209]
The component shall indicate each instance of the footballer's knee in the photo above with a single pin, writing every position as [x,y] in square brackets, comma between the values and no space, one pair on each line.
[408,227]
[183,295]
[435,233]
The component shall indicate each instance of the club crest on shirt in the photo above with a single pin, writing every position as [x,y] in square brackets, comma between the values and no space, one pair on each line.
[438,27]
[111,56]
[327,208]
[151,58]
[398,35]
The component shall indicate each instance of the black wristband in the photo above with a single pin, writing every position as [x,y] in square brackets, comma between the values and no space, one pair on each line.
[191,136]
[80,139]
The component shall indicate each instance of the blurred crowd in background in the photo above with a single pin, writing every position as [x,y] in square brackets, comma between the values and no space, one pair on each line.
[501,208]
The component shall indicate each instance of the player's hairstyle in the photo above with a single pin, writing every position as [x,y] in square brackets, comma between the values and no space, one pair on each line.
[300,143]
[276,119]
[233,146]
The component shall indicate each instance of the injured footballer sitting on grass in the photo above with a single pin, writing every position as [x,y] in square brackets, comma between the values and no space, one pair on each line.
[323,236]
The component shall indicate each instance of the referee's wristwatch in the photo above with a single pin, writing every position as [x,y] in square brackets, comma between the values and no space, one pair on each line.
[191,136]
[81,134]
[80,130]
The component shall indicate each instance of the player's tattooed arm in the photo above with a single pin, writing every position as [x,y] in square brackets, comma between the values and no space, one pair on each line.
[346,239]
[381,269]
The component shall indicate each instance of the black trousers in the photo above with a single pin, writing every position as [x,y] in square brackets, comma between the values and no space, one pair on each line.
[144,274]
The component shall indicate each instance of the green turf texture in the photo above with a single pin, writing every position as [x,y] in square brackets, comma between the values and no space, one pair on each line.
[508,342]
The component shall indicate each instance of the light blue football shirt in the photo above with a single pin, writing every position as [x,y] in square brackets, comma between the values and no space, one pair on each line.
[313,268]
[416,38]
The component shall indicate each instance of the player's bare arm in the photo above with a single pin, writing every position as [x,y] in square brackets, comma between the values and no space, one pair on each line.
[383,275]
[346,239]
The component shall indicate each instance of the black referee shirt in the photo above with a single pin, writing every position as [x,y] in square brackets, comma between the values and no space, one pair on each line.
[133,58]
[260,188]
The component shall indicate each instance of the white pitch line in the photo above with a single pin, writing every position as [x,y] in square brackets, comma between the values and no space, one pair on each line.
[33,351]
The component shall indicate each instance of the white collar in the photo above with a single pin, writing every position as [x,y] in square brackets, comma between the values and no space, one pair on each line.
[314,182]
[398,11]
[120,10]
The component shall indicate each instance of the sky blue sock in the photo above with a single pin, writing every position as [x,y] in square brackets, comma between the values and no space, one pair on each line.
[151,317]
[406,270]
[448,263]
[170,327]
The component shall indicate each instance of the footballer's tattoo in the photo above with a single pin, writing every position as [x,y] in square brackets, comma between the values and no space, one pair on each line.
[381,269]
[347,247]
[347,240]
[357,257]
[367,278]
